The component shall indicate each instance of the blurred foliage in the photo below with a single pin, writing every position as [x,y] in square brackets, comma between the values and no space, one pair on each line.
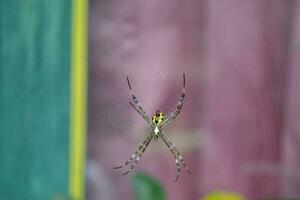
[147,188]
[222,195]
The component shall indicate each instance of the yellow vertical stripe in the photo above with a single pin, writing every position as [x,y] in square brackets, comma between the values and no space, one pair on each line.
[78,100]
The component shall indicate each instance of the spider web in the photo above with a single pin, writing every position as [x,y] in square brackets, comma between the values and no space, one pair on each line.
[249,101]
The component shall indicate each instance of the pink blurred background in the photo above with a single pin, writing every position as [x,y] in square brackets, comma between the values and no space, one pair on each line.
[240,125]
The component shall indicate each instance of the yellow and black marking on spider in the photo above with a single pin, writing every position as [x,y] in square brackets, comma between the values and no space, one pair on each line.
[157,124]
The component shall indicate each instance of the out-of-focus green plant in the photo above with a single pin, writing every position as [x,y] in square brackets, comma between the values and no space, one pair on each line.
[147,188]
[223,195]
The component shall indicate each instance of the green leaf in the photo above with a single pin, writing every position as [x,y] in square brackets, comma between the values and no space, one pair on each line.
[222,195]
[147,188]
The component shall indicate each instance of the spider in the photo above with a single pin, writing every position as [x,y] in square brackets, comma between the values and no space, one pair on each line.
[157,123]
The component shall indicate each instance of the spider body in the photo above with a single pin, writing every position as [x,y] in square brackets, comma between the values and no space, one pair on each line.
[158,118]
[157,123]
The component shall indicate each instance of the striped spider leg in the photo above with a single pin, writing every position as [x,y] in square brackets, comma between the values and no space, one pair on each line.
[137,155]
[178,158]
[137,105]
[174,114]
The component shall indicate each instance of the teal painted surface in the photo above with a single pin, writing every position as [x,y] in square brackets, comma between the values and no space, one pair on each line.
[34,98]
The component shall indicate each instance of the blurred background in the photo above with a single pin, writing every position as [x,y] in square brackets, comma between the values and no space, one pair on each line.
[238,131]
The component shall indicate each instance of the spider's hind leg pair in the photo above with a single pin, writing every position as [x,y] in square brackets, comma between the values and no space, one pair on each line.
[157,124]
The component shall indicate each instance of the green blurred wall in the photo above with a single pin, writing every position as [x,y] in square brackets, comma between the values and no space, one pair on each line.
[34,98]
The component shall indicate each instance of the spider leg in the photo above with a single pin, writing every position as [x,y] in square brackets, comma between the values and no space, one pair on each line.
[174,153]
[174,150]
[136,153]
[137,110]
[137,103]
[177,165]
[137,158]
[178,154]
[174,114]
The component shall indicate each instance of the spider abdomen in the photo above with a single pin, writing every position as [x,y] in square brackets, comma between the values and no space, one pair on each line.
[156,131]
